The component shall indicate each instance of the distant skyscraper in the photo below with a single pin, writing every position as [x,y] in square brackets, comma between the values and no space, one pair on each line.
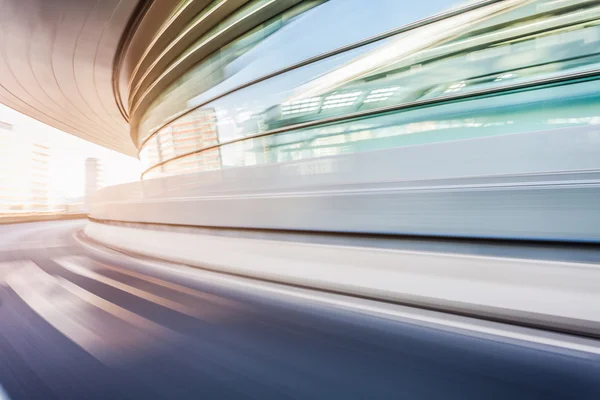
[24,173]
[94,179]
[39,178]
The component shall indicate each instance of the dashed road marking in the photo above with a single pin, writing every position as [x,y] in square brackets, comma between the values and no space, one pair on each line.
[169,285]
[70,309]
[69,265]
[6,268]
[130,317]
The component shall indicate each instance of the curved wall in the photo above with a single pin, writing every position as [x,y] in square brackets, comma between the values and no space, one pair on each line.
[478,121]
[451,189]
[265,97]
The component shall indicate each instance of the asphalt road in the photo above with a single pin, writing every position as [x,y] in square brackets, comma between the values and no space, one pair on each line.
[76,323]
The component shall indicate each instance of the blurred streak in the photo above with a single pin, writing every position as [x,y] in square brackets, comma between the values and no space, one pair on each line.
[554,295]
[169,285]
[285,295]
[284,342]
[3,394]
[74,312]
[208,311]
[197,311]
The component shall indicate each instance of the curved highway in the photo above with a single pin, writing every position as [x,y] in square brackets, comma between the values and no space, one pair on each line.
[80,322]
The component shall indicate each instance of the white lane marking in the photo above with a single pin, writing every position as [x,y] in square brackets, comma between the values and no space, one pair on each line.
[169,285]
[394,312]
[69,309]
[10,265]
[69,265]
[123,314]
[6,268]
[42,293]
[3,394]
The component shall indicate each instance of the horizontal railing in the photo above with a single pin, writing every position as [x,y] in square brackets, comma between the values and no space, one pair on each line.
[537,186]
[539,293]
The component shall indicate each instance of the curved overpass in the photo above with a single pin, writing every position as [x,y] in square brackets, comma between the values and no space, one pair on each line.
[56,65]
[438,164]
[477,121]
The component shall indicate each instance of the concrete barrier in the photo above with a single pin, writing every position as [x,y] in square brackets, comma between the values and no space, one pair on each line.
[534,186]
[557,295]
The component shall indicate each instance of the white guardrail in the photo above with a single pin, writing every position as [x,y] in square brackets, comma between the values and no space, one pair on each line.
[542,185]
[559,295]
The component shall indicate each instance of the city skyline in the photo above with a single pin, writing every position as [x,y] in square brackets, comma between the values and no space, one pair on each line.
[28,190]
[66,164]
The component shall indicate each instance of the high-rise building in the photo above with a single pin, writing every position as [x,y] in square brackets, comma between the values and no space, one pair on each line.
[24,173]
[94,179]
[39,177]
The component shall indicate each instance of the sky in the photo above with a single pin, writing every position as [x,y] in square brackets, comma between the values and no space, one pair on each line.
[68,154]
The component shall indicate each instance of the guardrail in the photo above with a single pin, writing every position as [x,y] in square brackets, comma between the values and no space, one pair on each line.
[560,296]
[533,186]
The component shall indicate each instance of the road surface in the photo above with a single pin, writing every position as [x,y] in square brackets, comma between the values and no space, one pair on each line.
[79,323]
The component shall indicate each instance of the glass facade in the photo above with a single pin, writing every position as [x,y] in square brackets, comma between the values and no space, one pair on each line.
[504,68]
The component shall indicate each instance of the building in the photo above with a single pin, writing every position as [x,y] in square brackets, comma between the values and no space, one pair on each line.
[39,194]
[24,173]
[94,179]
